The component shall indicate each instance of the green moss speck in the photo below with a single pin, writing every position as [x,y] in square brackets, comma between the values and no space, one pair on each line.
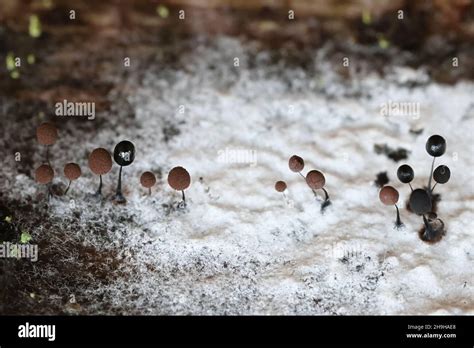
[162,11]
[34,27]
[25,237]
[31,59]
[366,17]
[10,61]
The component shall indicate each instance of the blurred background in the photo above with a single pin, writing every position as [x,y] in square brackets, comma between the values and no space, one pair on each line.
[432,30]
[52,50]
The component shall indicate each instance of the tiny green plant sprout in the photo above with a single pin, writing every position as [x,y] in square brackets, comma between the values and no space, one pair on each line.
[47,134]
[100,163]
[44,174]
[389,196]
[72,172]
[124,155]
[179,179]
[148,180]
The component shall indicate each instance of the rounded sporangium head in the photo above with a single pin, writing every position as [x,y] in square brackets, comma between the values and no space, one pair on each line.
[442,174]
[405,173]
[388,195]
[100,161]
[436,145]
[44,174]
[280,186]
[420,201]
[148,179]
[72,171]
[296,163]
[179,178]
[46,134]
[124,153]
[315,179]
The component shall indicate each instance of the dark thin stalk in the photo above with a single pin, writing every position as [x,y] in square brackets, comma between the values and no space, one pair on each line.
[99,190]
[119,186]
[149,191]
[47,154]
[410,187]
[428,229]
[431,175]
[67,189]
[119,198]
[182,204]
[399,222]
[326,202]
[325,194]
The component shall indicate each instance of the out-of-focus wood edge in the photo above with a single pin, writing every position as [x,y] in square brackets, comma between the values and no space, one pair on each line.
[344,9]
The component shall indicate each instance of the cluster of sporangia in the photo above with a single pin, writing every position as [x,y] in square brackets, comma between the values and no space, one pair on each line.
[314,179]
[421,199]
[100,163]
